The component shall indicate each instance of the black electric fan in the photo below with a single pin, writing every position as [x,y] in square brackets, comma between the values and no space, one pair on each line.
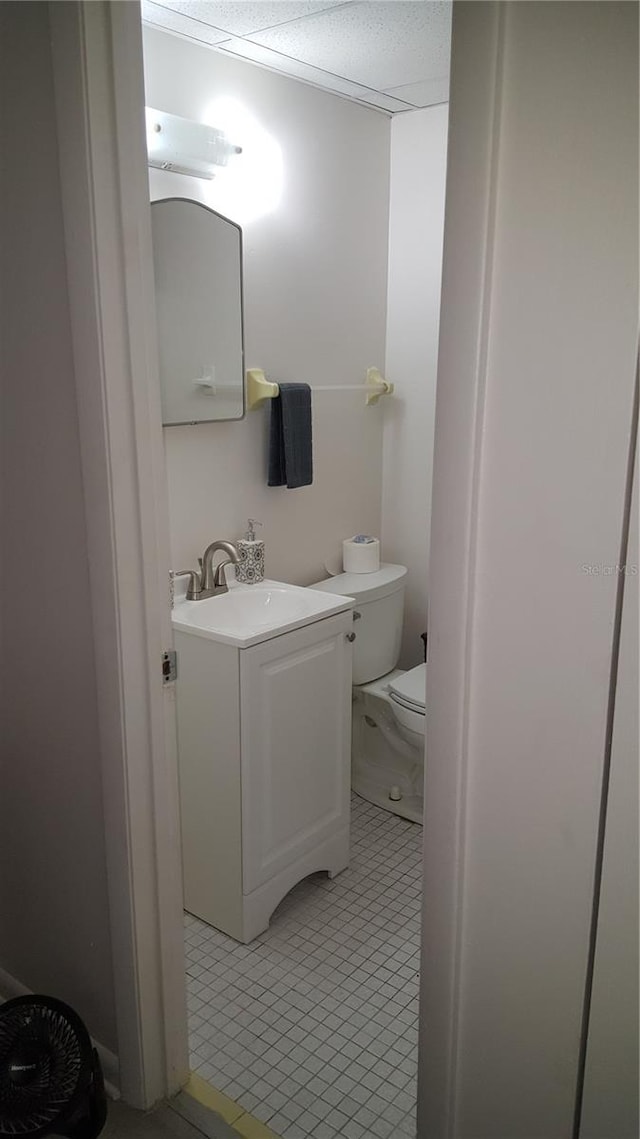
[50,1076]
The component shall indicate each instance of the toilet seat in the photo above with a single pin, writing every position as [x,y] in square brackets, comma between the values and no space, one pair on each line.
[408,689]
[407,696]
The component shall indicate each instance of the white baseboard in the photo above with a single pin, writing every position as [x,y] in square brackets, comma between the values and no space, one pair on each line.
[110,1069]
[10,987]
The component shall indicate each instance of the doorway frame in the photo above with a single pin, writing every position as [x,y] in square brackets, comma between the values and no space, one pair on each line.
[97,58]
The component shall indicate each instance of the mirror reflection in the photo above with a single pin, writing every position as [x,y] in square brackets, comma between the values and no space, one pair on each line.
[197,257]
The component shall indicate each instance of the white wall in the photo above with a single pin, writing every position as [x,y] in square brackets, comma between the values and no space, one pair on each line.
[314,304]
[535,387]
[416,226]
[55,935]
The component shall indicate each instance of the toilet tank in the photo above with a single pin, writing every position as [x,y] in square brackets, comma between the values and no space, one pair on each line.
[379,599]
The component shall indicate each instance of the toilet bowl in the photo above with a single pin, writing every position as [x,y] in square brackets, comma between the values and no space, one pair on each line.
[388,722]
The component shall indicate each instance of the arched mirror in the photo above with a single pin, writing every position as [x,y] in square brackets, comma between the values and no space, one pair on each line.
[197,257]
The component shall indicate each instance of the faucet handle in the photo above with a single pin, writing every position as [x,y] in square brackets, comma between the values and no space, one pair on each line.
[194,587]
[219,577]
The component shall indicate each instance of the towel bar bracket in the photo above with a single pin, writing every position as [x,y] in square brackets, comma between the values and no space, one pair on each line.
[259,388]
[378,385]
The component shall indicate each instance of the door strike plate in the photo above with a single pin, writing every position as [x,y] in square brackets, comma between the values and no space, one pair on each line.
[169,666]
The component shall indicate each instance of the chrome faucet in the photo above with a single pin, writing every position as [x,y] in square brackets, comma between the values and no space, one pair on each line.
[214,582]
[209,582]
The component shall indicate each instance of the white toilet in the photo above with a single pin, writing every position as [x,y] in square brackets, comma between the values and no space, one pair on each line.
[387,750]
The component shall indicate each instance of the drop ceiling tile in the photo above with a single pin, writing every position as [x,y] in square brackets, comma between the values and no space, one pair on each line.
[379,45]
[297,70]
[173,21]
[423,94]
[240,18]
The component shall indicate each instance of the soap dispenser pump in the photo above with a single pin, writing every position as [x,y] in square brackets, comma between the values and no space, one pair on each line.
[250,567]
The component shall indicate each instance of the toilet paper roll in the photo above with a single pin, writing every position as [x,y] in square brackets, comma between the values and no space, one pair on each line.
[361,554]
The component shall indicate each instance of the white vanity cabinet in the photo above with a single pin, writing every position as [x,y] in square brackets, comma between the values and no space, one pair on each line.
[264,737]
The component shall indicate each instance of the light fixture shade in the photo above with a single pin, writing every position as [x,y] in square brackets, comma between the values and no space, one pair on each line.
[184,146]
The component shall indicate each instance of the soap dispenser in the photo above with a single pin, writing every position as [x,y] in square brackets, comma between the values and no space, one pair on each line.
[250,567]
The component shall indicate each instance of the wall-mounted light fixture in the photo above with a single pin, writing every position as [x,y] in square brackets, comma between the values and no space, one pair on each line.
[186,147]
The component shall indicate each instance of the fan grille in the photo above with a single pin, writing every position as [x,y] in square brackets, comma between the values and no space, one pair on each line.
[49,1037]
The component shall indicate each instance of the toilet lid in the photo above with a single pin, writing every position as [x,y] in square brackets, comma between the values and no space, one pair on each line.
[409,688]
[365,586]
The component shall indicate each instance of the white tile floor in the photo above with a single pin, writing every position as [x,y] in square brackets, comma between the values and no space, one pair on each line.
[313,1026]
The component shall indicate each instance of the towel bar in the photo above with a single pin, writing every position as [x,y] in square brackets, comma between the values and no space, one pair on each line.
[260,389]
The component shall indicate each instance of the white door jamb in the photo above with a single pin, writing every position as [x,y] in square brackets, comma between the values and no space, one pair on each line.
[97,57]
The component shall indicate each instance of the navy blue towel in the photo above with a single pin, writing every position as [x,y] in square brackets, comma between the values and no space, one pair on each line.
[290,437]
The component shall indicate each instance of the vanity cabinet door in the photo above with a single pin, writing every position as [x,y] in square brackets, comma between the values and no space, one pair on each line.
[296,745]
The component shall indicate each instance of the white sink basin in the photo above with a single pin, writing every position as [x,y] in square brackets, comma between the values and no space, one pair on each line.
[248,614]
